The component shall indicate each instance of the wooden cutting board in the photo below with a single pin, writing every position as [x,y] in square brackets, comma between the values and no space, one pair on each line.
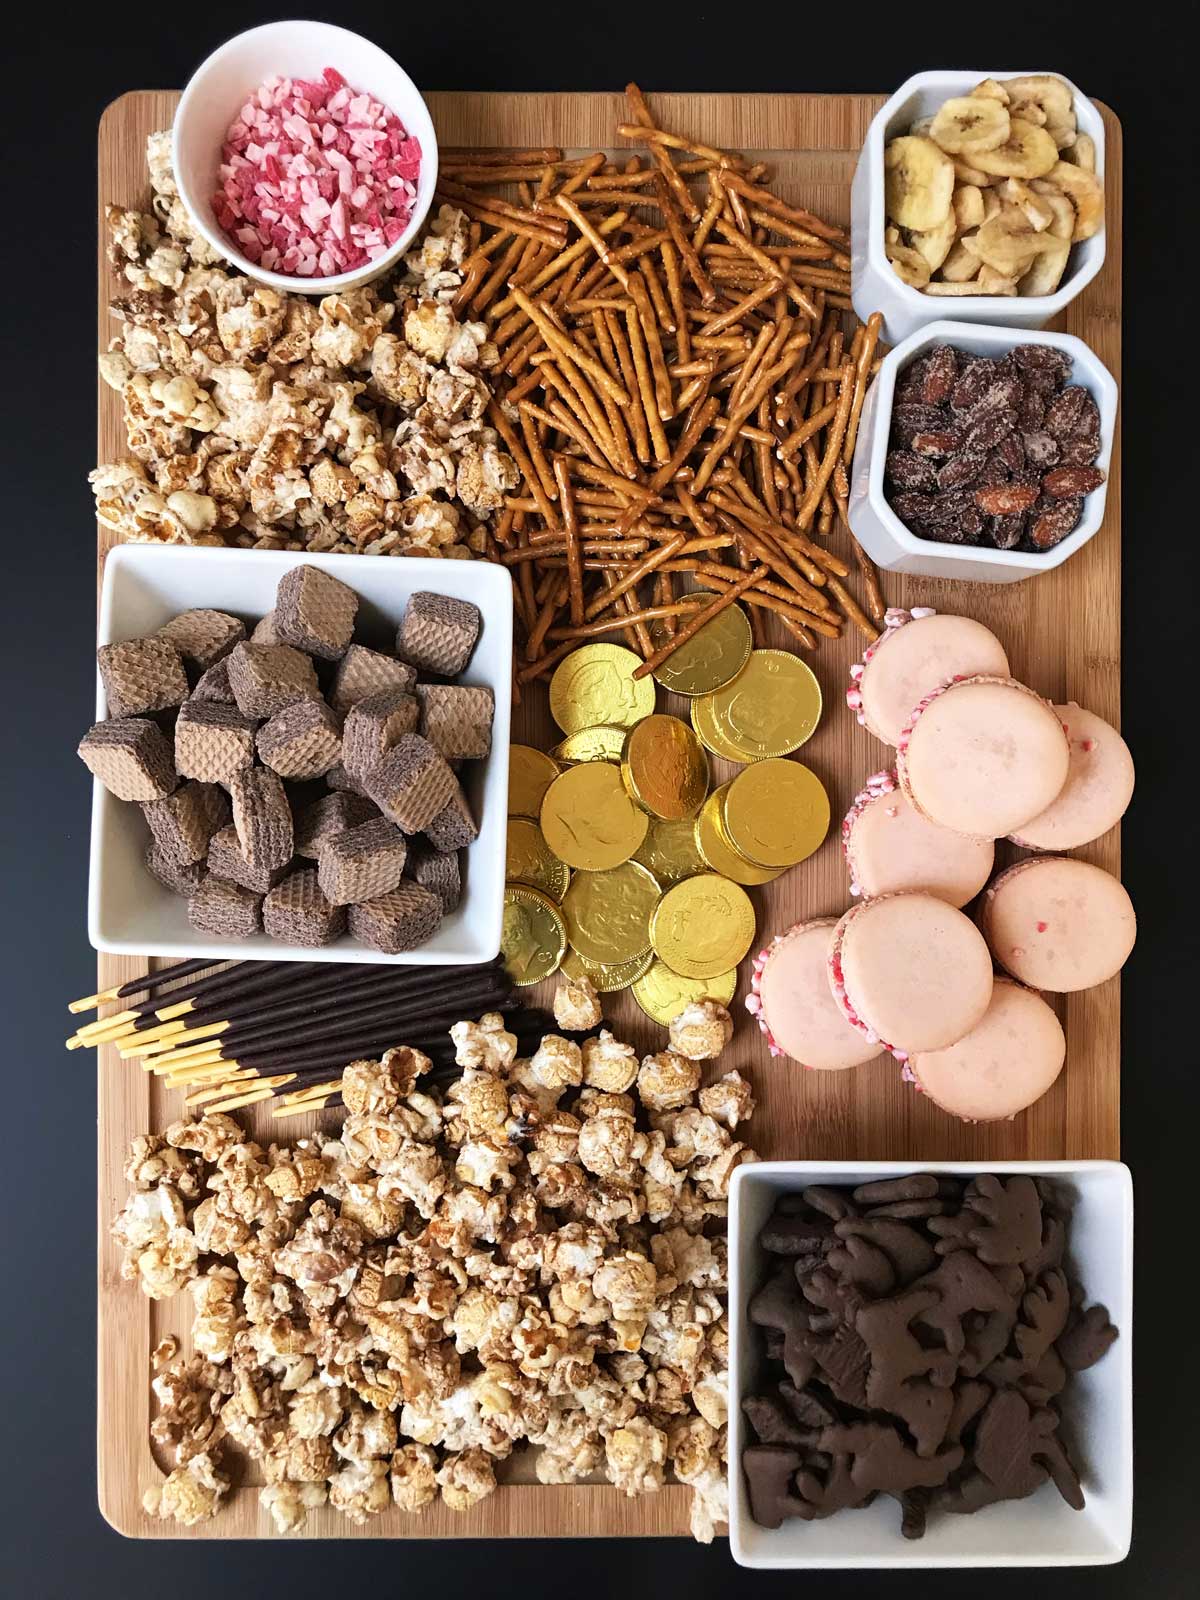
[1062,632]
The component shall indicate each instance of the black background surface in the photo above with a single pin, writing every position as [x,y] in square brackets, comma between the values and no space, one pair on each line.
[60,72]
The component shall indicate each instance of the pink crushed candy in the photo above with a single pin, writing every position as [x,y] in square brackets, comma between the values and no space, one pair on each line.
[317,178]
[1042,926]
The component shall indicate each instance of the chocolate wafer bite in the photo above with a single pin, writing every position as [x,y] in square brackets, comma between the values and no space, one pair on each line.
[325,818]
[345,782]
[438,633]
[454,828]
[213,742]
[130,757]
[262,817]
[374,725]
[402,919]
[457,719]
[436,870]
[264,631]
[141,675]
[180,877]
[301,741]
[214,684]
[225,909]
[227,859]
[315,611]
[267,677]
[411,783]
[202,637]
[183,823]
[298,912]
[362,672]
[363,862]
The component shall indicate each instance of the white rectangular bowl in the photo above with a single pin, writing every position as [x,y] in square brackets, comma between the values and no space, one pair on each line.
[1042,1531]
[130,912]
[880,531]
[875,287]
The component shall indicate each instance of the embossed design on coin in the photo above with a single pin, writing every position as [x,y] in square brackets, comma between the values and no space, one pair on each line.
[589,821]
[607,977]
[530,774]
[716,850]
[601,743]
[663,994]
[670,851]
[711,657]
[775,813]
[596,684]
[530,860]
[702,926]
[533,937]
[608,913]
[664,767]
[770,709]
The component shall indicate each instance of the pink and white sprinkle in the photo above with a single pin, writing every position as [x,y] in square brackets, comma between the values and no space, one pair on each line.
[316,178]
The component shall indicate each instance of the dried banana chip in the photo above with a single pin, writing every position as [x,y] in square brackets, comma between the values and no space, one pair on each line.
[1086,194]
[1028,152]
[1082,153]
[989,89]
[968,124]
[935,244]
[1038,211]
[960,264]
[964,172]
[968,206]
[1063,225]
[992,204]
[993,282]
[908,266]
[1050,99]
[1007,242]
[971,286]
[918,183]
[1045,275]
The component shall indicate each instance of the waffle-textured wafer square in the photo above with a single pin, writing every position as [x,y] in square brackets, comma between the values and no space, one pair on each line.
[202,637]
[301,741]
[142,675]
[315,611]
[262,817]
[374,725]
[437,871]
[131,757]
[457,719]
[402,919]
[437,633]
[225,909]
[453,828]
[330,815]
[180,877]
[362,672]
[182,823]
[267,677]
[213,742]
[345,782]
[363,862]
[264,631]
[227,859]
[411,783]
[214,684]
[297,911]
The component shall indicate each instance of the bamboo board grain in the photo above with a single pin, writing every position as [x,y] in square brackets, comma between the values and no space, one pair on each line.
[1062,633]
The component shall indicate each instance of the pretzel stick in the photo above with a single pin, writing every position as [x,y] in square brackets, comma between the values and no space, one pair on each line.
[536,454]
[649,405]
[545,273]
[562,344]
[582,401]
[516,450]
[673,217]
[550,225]
[712,210]
[771,602]
[643,123]
[556,594]
[586,171]
[698,621]
[688,439]
[772,203]
[852,609]
[768,553]
[683,337]
[658,365]
[792,444]
[643,569]
[679,608]
[734,421]
[484,212]
[654,135]
[833,446]
[570,523]
[866,355]
[594,239]
[498,275]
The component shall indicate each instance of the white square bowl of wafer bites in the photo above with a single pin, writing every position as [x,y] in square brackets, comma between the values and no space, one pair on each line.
[299,757]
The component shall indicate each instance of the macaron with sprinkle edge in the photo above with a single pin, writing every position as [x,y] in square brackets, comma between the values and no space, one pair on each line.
[890,848]
[917,651]
[794,1006]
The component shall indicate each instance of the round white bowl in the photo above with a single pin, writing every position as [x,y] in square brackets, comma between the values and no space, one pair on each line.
[873,284]
[219,88]
[880,531]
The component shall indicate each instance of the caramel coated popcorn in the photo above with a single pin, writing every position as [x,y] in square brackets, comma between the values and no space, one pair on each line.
[533,1256]
[265,420]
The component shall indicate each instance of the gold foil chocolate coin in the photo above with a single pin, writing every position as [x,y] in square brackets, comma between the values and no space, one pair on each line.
[530,774]
[589,821]
[771,708]
[663,994]
[775,813]
[669,850]
[530,860]
[716,850]
[608,913]
[703,926]
[607,976]
[596,684]
[533,938]
[601,743]
[664,767]
[713,655]
[709,734]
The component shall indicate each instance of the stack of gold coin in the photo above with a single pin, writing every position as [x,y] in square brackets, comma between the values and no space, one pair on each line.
[771,708]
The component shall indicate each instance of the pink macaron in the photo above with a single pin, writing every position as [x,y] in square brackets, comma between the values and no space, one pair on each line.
[1098,789]
[1007,1061]
[910,972]
[1058,924]
[890,848]
[917,651]
[983,756]
[794,1006]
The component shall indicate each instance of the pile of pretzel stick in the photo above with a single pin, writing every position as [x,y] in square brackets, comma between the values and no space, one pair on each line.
[680,381]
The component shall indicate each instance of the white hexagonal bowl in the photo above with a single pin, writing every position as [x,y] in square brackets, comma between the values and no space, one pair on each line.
[129,912]
[877,527]
[1041,1531]
[875,287]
